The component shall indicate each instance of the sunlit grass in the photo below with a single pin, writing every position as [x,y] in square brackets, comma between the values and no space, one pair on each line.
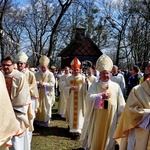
[55,137]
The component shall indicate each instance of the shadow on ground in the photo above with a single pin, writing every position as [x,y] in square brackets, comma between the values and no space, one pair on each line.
[52,130]
[55,130]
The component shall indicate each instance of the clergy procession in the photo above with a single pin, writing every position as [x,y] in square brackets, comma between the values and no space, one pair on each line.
[105,108]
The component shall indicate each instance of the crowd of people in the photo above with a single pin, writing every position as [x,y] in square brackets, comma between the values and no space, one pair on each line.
[102,104]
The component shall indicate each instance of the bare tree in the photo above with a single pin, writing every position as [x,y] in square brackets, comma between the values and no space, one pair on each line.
[4,6]
[37,24]
[13,30]
[46,27]
[63,7]
[140,32]
[117,22]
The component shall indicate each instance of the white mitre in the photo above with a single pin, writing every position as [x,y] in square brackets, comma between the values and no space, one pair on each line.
[44,61]
[104,63]
[22,57]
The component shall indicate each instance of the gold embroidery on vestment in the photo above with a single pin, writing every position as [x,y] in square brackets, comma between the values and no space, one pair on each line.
[75,116]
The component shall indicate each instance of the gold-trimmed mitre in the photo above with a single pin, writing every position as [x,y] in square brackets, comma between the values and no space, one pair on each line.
[22,57]
[104,63]
[75,63]
[44,61]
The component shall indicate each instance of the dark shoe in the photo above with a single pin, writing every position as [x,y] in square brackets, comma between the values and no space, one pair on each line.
[75,136]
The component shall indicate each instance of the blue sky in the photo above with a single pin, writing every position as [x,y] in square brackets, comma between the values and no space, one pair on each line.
[21,2]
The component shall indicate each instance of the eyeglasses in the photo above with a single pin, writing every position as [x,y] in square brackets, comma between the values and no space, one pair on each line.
[19,63]
[8,65]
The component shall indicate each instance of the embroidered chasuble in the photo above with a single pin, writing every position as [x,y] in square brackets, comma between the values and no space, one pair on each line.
[100,124]
[46,96]
[75,82]
[136,113]
[30,76]
[76,102]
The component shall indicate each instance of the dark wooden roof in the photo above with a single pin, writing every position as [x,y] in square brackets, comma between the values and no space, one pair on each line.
[82,47]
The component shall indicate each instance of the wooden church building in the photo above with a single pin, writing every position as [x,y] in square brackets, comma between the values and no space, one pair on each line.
[81,47]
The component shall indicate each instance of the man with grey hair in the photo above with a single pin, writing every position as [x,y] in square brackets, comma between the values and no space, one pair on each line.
[46,82]
[118,78]
[105,104]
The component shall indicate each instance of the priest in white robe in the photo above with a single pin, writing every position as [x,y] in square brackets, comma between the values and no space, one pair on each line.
[46,82]
[75,92]
[105,102]
[21,59]
[62,105]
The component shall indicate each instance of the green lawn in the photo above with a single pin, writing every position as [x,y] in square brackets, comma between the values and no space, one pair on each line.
[55,137]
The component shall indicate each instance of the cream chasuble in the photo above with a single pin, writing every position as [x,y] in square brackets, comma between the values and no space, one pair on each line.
[32,83]
[137,109]
[46,95]
[33,90]
[62,105]
[76,103]
[100,124]
[20,98]
[92,78]
[30,76]
[7,116]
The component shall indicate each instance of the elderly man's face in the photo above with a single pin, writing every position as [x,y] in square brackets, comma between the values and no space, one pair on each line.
[44,68]
[76,71]
[105,76]
[115,70]
[21,65]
